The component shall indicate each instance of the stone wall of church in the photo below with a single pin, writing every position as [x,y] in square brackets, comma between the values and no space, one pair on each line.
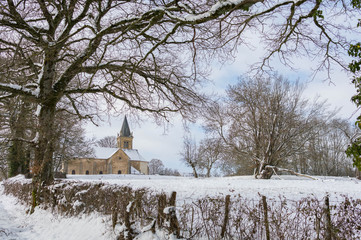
[119,162]
[141,166]
[87,166]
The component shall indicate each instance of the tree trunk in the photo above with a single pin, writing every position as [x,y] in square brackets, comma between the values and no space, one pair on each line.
[209,168]
[194,171]
[266,173]
[263,172]
[18,158]
[208,172]
[42,169]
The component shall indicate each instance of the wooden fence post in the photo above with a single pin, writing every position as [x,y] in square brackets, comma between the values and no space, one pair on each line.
[138,206]
[128,234]
[226,215]
[265,214]
[161,205]
[114,216]
[172,199]
[172,216]
[328,223]
[317,227]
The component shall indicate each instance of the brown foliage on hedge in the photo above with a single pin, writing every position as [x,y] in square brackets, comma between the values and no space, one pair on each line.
[245,219]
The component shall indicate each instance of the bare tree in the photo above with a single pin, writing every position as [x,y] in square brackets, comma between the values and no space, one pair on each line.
[325,151]
[265,122]
[176,173]
[354,148]
[108,141]
[190,155]
[3,160]
[69,140]
[22,131]
[171,172]
[17,128]
[210,150]
[156,166]
[4,136]
[84,51]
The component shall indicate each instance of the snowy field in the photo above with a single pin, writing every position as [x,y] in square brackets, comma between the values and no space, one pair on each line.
[291,187]
[42,225]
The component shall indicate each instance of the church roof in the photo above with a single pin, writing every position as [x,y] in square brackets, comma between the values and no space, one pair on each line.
[125,131]
[134,171]
[133,154]
[103,152]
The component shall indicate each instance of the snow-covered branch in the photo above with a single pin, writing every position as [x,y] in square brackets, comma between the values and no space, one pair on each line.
[216,10]
[278,169]
[15,89]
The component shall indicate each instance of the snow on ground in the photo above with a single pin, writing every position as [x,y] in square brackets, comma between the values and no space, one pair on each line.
[42,225]
[291,187]
[15,224]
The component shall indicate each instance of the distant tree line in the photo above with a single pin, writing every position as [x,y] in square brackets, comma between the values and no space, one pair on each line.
[264,126]
[156,167]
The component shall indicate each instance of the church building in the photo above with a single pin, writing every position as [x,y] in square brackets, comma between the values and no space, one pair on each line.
[121,160]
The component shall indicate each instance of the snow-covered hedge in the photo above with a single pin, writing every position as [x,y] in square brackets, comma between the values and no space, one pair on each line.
[206,218]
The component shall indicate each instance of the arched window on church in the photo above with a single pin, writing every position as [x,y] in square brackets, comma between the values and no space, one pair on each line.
[101,172]
[73,172]
[126,144]
[87,172]
[119,172]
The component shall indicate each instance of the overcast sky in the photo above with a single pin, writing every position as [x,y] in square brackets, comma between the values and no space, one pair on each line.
[165,143]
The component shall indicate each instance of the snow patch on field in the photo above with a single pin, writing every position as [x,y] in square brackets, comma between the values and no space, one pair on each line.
[15,223]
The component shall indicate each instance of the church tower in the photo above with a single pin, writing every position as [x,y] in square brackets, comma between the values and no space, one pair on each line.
[125,137]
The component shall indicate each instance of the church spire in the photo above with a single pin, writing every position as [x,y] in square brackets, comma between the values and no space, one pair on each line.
[125,138]
[125,131]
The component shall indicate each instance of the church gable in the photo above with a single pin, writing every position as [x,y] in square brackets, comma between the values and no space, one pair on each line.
[119,163]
